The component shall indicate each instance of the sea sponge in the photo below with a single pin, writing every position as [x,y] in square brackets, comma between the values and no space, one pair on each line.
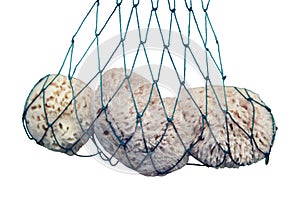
[59,113]
[155,136]
[240,135]
[141,130]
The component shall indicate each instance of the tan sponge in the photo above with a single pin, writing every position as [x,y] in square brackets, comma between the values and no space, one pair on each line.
[141,130]
[218,126]
[240,134]
[59,113]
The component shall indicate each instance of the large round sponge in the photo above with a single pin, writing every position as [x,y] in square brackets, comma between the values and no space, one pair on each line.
[240,134]
[141,130]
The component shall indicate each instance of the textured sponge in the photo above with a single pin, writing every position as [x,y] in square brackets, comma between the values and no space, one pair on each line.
[140,130]
[55,118]
[241,136]
[219,126]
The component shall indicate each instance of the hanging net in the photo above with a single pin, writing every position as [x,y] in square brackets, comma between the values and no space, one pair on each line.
[142,86]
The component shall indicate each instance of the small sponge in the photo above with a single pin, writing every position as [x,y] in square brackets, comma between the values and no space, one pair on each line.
[53,118]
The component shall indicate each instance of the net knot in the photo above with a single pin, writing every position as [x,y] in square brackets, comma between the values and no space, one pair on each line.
[138,116]
[267,156]
[122,143]
[268,109]
[122,39]
[127,77]
[187,150]
[142,42]
[169,119]
[155,81]
[136,4]
[119,3]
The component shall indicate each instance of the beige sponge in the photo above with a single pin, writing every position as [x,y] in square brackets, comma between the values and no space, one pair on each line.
[142,131]
[241,136]
[53,118]
[219,126]
[155,136]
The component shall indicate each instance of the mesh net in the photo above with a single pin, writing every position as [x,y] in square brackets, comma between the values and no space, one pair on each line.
[159,47]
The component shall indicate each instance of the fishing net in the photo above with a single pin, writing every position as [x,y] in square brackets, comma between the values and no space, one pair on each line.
[145,89]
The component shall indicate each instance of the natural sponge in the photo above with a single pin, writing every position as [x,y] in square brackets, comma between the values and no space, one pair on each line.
[242,135]
[59,113]
[141,130]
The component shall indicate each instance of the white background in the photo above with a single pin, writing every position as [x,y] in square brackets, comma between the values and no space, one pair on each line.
[260,50]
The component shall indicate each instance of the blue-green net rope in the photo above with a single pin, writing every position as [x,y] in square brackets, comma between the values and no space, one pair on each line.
[204,32]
